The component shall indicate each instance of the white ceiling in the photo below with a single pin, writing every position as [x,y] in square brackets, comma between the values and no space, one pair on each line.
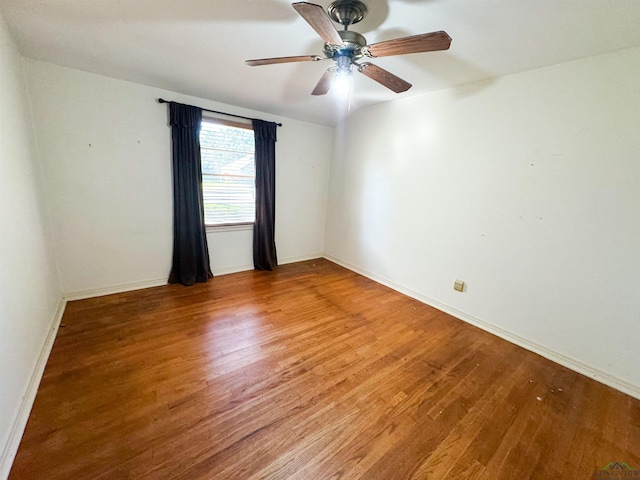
[198,47]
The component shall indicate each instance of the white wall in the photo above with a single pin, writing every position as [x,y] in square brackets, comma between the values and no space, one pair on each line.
[29,292]
[105,149]
[527,188]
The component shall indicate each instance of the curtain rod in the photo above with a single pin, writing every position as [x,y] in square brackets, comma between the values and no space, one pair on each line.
[162,100]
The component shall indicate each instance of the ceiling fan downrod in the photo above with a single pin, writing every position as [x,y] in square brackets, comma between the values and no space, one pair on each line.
[347,12]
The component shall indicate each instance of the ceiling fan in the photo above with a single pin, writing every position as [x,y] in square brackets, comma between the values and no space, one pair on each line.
[347,47]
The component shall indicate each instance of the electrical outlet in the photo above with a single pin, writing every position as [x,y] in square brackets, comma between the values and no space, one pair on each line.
[458,285]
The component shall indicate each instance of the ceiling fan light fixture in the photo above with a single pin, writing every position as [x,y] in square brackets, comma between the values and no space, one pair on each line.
[343,76]
[343,64]
[342,82]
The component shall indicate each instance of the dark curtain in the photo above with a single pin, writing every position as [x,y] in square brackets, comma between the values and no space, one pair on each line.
[264,245]
[190,251]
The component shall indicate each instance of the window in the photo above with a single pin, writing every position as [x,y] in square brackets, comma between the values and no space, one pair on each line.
[228,172]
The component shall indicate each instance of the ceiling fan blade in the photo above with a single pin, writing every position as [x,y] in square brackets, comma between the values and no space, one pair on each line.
[325,83]
[383,77]
[427,42]
[271,61]
[319,21]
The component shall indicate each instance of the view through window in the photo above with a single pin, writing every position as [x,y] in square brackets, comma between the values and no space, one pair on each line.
[228,172]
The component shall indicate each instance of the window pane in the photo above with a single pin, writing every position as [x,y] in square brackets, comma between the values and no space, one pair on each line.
[228,174]
[228,199]
[227,163]
[223,137]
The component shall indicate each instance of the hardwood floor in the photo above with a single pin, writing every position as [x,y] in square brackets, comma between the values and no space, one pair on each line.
[310,372]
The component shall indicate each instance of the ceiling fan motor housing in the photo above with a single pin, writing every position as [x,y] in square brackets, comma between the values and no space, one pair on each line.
[352,44]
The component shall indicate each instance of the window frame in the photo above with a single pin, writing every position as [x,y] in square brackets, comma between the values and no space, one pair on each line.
[235,226]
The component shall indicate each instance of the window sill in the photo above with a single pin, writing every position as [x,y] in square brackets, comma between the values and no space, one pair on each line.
[230,227]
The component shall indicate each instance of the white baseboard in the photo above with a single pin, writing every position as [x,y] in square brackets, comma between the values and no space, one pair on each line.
[303,258]
[568,362]
[20,422]
[99,292]
[281,261]
[230,270]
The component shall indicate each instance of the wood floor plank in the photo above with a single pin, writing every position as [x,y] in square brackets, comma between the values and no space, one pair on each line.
[307,372]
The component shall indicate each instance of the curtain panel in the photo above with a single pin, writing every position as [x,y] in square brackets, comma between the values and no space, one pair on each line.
[190,250]
[264,245]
